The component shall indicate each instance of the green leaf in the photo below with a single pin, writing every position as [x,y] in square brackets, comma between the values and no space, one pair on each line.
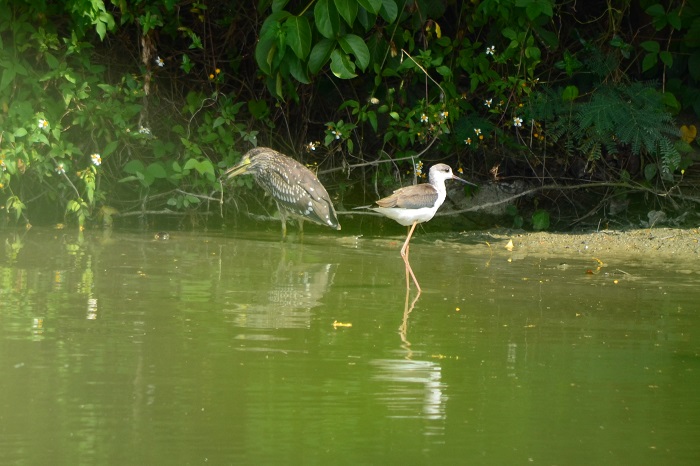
[533,52]
[650,171]
[650,46]
[51,61]
[341,65]
[373,6]
[372,117]
[444,70]
[649,61]
[656,10]
[297,68]
[109,148]
[20,132]
[569,94]
[134,166]
[509,33]
[156,170]
[326,18]
[298,36]
[320,55]
[347,10]
[540,219]
[355,45]
[533,10]
[264,53]
[389,11]
[277,5]
[674,20]
[258,108]
[666,58]
[8,75]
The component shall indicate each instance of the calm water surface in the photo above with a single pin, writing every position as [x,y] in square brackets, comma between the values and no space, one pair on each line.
[213,348]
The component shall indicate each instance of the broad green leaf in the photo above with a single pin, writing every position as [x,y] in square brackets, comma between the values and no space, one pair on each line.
[650,46]
[264,53]
[205,167]
[298,36]
[327,18]
[650,171]
[156,170]
[649,61]
[509,33]
[569,94]
[389,11]
[134,166]
[372,120]
[533,52]
[667,58]
[540,219]
[341,65]
[355,45]
[533,10]
[109,148]
[347,10]
[278,5]
[51,61]
[444,70]
[373,6]
[320,55]
[674,20]
[298,69]
[19,132]
[8,75]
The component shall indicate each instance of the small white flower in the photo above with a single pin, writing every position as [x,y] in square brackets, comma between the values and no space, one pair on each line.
[517,122]
[311,146]
[144,130]
[468,141]
[444,115]
[43,124]
[490,50]
[488,102]
[424,118]
[374,101]
[96,159]
[60,169]
[160,62]
[337,134]
[477,131]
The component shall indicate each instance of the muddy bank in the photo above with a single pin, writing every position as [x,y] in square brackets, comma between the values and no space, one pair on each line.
[657,244]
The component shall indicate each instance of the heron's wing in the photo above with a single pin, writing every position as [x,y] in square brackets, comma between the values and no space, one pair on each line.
[299,192]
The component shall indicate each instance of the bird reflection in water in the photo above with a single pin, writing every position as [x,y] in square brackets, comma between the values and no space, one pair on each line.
[295,288]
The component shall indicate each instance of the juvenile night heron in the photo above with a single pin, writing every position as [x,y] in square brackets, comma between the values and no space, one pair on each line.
[295,189]
[416,204]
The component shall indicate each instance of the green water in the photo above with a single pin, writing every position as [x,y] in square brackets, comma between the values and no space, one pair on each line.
[213,348]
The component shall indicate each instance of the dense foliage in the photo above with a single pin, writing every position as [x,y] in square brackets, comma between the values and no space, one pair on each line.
[137,106]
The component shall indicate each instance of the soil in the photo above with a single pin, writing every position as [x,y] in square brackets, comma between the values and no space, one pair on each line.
[656,244]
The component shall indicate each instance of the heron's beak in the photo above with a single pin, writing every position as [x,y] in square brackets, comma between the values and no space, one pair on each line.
[455,177]
[239,169]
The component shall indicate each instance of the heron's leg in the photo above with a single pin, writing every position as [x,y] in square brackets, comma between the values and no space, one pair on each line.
[283,219]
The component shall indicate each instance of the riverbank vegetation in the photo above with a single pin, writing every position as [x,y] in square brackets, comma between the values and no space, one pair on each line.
[134,108]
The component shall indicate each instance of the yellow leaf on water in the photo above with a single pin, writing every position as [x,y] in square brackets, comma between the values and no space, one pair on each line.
[337,324]
[689,133]
[509,245]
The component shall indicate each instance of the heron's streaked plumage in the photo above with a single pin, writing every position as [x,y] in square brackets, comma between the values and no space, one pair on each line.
[295,189]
